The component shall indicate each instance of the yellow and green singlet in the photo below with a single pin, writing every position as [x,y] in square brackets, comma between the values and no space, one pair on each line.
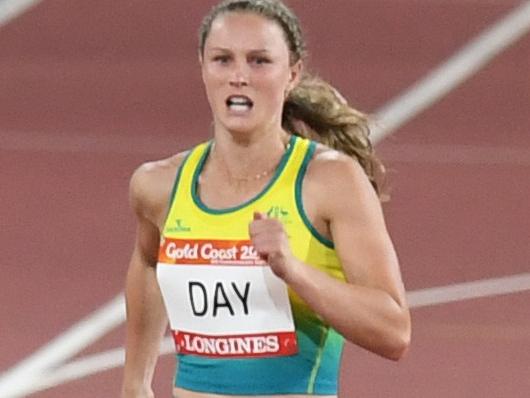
[314,369]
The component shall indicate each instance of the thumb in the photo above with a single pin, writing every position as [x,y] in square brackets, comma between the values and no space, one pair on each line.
[259,216]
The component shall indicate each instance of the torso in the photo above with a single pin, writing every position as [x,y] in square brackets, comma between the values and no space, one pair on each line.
[218,195]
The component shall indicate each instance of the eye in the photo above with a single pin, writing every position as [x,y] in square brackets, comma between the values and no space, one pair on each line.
[221,59]
[260,60]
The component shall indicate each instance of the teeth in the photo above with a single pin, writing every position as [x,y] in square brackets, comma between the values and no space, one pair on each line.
[239,101]
[239,107]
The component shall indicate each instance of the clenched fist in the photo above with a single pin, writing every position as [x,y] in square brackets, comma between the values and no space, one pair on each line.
[269,238]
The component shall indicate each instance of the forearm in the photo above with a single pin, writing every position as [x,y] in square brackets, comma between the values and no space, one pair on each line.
[366,316]
[146,325]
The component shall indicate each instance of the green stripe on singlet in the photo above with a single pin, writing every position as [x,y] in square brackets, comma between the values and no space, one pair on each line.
[318,360]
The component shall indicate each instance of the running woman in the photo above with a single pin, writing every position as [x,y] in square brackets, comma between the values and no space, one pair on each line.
[265,247]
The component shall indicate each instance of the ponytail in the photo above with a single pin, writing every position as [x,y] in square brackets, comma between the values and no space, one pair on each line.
[317,111]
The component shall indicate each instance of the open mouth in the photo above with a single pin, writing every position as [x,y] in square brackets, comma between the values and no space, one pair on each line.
[239,103]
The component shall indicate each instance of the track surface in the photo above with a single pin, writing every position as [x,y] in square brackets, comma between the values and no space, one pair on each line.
[89,90]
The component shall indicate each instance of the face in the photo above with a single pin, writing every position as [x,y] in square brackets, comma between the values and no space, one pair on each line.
[246,72]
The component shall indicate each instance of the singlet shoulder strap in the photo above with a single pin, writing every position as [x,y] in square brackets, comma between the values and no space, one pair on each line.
[296,161]
[185,172]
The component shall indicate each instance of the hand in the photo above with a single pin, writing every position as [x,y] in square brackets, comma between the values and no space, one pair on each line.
[270,241]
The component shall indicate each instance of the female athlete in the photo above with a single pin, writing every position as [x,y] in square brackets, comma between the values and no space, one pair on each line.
[265,247]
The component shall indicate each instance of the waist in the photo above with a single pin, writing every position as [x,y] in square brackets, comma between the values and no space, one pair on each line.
[181,393]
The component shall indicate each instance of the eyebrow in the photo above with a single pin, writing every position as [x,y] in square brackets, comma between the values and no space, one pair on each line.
[255,51]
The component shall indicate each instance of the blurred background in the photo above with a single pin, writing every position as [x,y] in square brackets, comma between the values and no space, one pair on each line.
[89,90]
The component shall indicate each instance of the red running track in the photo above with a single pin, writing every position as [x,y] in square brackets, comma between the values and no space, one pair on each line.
[89,90]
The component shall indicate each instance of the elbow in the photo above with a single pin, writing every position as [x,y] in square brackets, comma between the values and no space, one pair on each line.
[390,343]
[399,342]
[399,348]
[392,346]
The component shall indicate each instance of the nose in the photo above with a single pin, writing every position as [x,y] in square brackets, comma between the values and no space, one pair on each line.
[239,76]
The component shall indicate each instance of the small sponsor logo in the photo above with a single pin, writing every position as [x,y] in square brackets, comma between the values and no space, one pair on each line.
[180,226]
[278,212]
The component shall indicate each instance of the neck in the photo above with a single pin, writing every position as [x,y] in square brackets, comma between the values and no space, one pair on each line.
[247,158]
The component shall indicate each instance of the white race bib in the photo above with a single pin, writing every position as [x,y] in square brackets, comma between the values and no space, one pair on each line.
[222,300]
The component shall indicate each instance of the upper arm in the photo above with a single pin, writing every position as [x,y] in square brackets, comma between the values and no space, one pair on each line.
[144,205]
[149,194]
[351,207]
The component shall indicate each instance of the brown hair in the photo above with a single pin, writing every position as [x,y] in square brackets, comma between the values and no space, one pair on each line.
[313,109]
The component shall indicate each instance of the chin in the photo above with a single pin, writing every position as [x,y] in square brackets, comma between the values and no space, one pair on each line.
[239,131]
[239,127]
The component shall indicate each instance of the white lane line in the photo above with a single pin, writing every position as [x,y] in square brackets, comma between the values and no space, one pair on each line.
[456,154]
[391,117]
[112,359]
[64,346]
[83,367]
[10,9]
[469,290]
[449,75]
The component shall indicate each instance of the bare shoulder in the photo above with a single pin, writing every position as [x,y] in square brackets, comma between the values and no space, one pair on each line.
[337,181]
[327,160]
[151,184]
[334,170]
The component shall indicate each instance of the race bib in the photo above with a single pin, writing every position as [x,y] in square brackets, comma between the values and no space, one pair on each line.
[222,300]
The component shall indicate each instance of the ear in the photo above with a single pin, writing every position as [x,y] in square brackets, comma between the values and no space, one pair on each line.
[296,74]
